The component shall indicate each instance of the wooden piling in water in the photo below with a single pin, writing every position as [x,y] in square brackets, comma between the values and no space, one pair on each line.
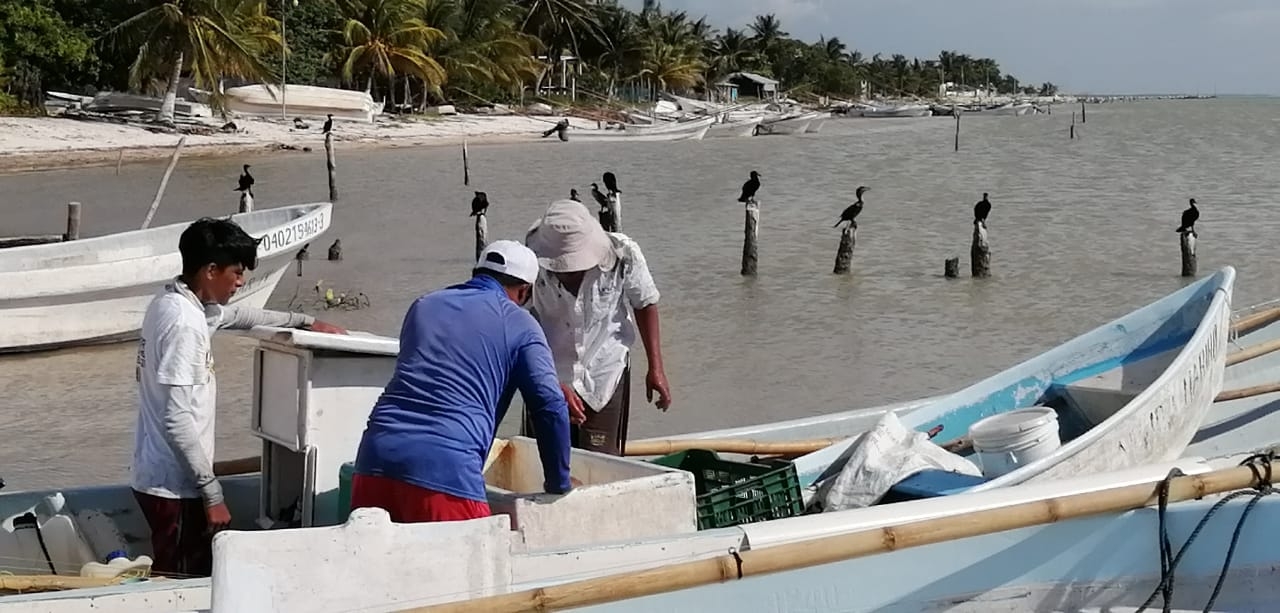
[73,222]
[466,166]
[980,253]
[1083,119]
[957,114]
[332,165]
[246,202]
[482,233]
[951,268]
[615,203]
[1187,244]
[751,235]
[844,253]
[1073,126]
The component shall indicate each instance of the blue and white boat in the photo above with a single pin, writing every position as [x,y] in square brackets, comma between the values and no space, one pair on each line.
[1171,356]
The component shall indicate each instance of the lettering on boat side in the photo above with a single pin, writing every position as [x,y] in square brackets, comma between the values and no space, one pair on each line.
[294,233]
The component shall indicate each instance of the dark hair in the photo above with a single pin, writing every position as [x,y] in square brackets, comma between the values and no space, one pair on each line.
[216,241]
[502,278]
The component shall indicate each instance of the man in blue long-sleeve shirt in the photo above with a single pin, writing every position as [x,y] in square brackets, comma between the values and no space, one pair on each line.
[464,351]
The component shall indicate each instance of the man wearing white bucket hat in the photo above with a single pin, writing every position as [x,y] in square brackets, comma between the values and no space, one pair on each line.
[593,295]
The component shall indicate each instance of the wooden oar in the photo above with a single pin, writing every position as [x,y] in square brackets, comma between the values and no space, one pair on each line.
[42,583]
[830,549]
[1248,353]
[729,445]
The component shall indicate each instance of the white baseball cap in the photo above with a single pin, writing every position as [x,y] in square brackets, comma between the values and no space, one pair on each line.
[510,258]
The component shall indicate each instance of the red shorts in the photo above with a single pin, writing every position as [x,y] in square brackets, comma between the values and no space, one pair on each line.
[407,503]
[180,538]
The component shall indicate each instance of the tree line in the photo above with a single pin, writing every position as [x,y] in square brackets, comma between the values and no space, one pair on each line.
[414,52]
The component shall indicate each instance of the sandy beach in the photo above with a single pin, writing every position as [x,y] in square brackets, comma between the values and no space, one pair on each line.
[43,143]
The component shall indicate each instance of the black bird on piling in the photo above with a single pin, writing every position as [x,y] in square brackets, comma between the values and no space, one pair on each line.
[328,124]
[851,212]
[1189,218]
[573,195]
[246,181]
[479,204]
[601,199]
[981,210]
[611,183]
[750,188]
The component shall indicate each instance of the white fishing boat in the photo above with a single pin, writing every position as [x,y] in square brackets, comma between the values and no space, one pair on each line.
[96,290]
[302,101]
[303,378]
[667,131]
[787,124]
[818,121]
[734,129]
[898,111]
[1012,108]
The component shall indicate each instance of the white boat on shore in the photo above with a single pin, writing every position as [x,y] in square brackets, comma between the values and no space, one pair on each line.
[734,129]
[96,290]
[668,131]
[788,124]
[818,121]
[302,101]
[545,550]
[898,111]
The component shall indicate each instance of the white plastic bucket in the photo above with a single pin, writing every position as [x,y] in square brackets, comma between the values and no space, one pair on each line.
[1010,440]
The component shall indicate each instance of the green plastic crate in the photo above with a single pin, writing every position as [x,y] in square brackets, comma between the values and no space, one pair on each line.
[732,493]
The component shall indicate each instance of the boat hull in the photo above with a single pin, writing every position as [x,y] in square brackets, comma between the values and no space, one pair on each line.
[694,130]
[302,101]
[794,125]
[102,302]
[734,129]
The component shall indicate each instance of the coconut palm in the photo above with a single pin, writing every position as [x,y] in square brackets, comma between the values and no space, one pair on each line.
[561,25]
[388,38]
[212,39]
[483,42]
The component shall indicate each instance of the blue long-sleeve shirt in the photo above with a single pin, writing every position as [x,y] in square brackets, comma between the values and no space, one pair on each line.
[464,351]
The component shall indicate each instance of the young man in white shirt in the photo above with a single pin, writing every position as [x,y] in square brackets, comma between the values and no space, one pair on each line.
[593,295]
[172,472]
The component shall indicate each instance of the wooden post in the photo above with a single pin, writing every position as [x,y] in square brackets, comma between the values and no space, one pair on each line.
[750,253]
[1073,126]
[615,203]
[332,166]
[246,202]
[951,268]
[1083,119]
[466,166]
[482,232]
[119,161]
[844,253]
[164,182]
[1188,244]
[980,253]
[73,222]
[957,113]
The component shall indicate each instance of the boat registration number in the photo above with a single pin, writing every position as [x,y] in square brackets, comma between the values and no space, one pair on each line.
[292,234]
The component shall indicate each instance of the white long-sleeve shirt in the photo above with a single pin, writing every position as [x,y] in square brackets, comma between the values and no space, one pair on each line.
[591,334]
[177,391]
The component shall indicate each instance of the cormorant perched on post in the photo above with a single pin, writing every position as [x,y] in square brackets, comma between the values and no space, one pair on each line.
[573,195]
[981,210]
[601,199]
[611,183]
[479,204]
[750,188]
[1189,218]
[328,124]
[246,181]
[850,213]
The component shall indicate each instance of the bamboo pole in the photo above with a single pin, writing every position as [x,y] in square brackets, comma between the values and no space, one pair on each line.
[1248,353]
[1248,392]
[43,583]
[1250,322]
[745,446]
[831,549]
[164,183]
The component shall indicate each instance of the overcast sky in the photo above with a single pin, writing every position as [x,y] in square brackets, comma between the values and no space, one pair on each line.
[1098,46]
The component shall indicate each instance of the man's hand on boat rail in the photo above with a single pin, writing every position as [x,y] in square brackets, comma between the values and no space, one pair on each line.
[326,328]
[219,517]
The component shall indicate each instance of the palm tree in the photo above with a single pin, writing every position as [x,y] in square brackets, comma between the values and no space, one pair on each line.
[483,43]
[561,25]
[388,38]
[213,39]
[768,34]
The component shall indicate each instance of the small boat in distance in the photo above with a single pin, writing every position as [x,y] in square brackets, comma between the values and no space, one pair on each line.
[302,101]
[96,290]
[663,131]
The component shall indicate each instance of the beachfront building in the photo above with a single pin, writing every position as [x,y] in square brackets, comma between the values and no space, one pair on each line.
[562,79]
[748,84]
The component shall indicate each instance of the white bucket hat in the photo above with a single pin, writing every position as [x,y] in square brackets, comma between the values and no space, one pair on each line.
[569,239]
